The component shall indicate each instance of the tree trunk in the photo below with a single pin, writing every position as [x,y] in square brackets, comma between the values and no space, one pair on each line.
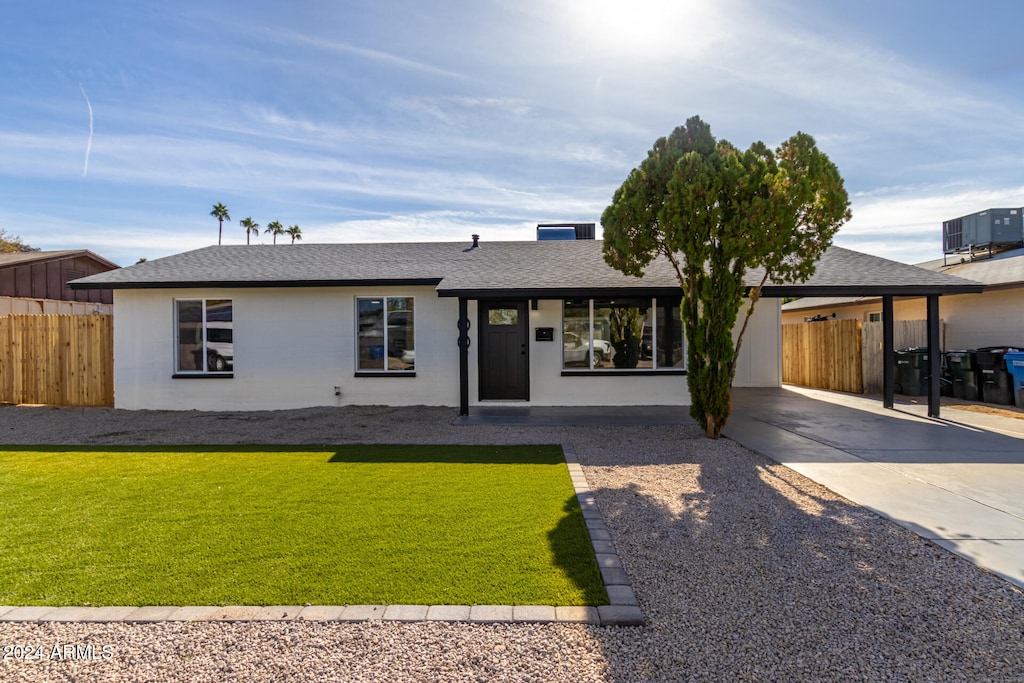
[714,425]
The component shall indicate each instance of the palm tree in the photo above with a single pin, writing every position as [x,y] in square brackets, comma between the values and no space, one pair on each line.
[275,228]
[295,232]
[220,212]
[251,227]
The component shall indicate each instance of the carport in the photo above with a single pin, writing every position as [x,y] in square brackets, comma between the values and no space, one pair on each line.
[844,273]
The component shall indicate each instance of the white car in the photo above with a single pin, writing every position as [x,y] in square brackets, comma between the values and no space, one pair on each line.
[577,351]
[220,353]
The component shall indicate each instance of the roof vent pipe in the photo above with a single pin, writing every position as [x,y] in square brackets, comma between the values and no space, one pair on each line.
[476,241]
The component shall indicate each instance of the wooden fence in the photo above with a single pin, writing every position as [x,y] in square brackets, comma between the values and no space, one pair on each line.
[63,360]
[844,355]
[825,355]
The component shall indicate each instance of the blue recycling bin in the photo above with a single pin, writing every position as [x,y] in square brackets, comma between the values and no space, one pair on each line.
[1015,366]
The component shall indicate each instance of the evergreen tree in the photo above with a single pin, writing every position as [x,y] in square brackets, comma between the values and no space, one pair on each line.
[716,212]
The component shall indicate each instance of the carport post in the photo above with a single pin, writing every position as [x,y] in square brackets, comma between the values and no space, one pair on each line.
[888,354]
[463,356]
[934,356]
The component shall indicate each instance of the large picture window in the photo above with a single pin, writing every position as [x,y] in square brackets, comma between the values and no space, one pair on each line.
[622,333]
[385,336]
[205,338]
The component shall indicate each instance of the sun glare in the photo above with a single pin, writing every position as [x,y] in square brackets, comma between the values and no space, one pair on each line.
[645,28]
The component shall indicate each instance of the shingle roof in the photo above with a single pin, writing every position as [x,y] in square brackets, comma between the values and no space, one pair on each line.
[1002,270]
[495,268]
[21,257]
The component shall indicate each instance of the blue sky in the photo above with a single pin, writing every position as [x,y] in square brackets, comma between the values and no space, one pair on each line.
[121,123]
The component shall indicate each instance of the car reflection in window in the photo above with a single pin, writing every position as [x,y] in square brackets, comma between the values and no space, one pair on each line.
[576,351]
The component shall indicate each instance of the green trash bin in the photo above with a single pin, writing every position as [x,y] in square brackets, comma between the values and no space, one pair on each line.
[912,372]
[1015,366]
[963,370]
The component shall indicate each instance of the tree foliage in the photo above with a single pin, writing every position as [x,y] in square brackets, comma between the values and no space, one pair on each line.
[12,244]
[220,212]
[251,227]
[718,213]
[275,228]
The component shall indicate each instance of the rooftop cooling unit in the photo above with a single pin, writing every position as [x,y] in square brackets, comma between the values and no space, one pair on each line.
[990,229]
[565,231]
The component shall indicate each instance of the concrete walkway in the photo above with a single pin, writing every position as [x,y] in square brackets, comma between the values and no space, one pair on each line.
[958,481]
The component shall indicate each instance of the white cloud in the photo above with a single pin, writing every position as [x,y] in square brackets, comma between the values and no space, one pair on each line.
[905,224]
[88,144]
[344,48]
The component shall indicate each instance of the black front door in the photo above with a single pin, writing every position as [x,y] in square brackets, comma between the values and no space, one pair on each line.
[504,362]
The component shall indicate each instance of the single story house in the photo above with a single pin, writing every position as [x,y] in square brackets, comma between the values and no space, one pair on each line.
[992,318]
[544,323]
[37,282]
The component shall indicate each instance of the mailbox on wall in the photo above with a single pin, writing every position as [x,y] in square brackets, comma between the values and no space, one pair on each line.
[545,334]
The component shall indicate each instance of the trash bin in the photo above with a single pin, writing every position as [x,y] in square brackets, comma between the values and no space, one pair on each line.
[911,372]
[996,383]
[1015,366]
[963,370]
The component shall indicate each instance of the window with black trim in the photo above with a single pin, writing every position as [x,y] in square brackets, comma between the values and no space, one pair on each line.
[385,334]
[205,336]
[622,333]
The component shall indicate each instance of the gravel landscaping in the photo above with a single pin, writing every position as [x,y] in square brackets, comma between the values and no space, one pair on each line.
[745,571]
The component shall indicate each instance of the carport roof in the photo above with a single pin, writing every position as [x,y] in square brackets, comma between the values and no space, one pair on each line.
[493,269]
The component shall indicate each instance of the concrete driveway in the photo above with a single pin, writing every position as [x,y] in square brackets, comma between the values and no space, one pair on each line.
[958,481]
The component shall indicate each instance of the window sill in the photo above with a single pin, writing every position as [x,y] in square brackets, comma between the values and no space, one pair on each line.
[394,373]
[203,375]
[623,373]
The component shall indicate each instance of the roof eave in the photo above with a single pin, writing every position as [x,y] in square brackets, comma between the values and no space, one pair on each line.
[557,292]
[258,284]
[870,290]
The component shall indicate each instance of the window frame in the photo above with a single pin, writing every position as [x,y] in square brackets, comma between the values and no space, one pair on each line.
[205,371]
[384,371]
[590,371]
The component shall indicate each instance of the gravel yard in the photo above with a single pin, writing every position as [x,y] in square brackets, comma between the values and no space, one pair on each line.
[745,571]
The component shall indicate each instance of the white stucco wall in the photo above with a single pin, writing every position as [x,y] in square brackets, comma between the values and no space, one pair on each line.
[992,318]
[759,365]
[292,346]
[549,388]
[760,360]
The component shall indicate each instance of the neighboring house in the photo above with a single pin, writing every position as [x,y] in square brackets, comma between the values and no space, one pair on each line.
[37,282]
[992,318]
[450,324]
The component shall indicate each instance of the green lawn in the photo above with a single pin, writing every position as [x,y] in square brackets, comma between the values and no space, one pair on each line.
[290,525]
